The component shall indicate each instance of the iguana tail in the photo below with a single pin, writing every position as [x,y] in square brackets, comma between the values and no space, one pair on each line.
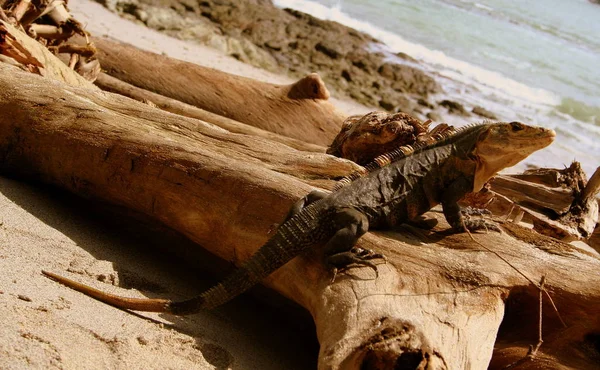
[293,237]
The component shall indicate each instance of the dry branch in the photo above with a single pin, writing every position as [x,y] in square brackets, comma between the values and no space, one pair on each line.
[438,302]
[35,57]
[559,203]
[536,196]
[300,110]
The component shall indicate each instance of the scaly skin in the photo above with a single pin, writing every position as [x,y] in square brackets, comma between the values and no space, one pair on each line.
[396,193]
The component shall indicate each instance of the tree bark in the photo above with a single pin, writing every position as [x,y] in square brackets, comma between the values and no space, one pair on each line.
[300,110]
[440,302]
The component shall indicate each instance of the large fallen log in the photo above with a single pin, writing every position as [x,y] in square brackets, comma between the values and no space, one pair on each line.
[300,110]
[109,83]
[441,302]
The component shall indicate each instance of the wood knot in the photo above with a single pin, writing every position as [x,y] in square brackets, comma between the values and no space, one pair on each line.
[309,87]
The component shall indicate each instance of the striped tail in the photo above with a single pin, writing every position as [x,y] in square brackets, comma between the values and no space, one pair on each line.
[296,235]
[292,238]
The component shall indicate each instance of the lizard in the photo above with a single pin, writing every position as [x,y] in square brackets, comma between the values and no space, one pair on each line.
[398,189]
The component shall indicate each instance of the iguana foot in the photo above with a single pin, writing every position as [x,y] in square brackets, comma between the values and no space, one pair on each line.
[474,224]
[355,257]
[471,211]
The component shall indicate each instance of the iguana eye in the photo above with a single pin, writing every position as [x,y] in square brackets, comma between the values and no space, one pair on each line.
[516,126]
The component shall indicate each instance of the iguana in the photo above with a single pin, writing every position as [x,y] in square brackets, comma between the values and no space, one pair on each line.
[408,184]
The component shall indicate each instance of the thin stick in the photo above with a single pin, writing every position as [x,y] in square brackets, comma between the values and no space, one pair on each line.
[532,353]
[533,350]
[519,272]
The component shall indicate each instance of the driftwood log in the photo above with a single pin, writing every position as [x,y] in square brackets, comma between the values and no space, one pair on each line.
[109,83]
[300,110]
[441,301]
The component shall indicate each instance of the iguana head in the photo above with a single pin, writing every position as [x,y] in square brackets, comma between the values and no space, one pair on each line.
[503,145]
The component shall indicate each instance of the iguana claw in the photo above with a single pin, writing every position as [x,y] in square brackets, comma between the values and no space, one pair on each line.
[471,211]
[356,256]
[474,224]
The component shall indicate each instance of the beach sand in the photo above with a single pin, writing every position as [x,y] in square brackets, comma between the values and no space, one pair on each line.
[48,326]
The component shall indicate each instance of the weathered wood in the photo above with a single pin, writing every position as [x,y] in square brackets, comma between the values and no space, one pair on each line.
[592,188]
[300,110]
[594,240]
[536,196]
[35,57]
[109,83]
[438,302]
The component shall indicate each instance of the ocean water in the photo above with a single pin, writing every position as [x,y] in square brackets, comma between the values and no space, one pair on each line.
[533,61]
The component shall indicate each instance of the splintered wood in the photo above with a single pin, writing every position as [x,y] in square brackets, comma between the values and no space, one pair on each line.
[33,33]
[36,58]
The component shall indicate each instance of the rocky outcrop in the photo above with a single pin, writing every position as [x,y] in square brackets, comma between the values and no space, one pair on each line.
[261,34]
[481,111]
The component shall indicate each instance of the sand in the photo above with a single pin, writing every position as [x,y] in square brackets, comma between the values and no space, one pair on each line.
[48,326]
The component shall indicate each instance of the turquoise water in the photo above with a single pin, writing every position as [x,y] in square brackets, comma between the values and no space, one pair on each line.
[534,61]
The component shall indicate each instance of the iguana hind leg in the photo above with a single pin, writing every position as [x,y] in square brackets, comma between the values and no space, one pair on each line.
[309,198]
[341,250]
[299,205]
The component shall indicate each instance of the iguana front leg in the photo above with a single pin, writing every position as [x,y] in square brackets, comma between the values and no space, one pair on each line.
[341,250]
[453,213]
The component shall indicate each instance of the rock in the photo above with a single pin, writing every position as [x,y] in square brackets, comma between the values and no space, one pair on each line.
[246,51]
[161,18]
[363,138]
[405,105]
[454,107]
[386,104]
[480,111]
[330,49]
[406,57]
[434,116]
[409,79]
[425,103]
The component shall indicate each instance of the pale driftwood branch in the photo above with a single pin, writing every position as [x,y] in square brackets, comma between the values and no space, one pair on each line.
[20,8]
[593,186]
[594,240]
[109,83]
[438,302]
[558,203]
[3,16]
[36,58]
[300,110]
[537,196]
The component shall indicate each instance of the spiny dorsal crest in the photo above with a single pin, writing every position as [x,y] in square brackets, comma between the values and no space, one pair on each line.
[437,136]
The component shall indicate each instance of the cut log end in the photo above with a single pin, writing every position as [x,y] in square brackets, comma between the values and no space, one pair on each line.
[309,87]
